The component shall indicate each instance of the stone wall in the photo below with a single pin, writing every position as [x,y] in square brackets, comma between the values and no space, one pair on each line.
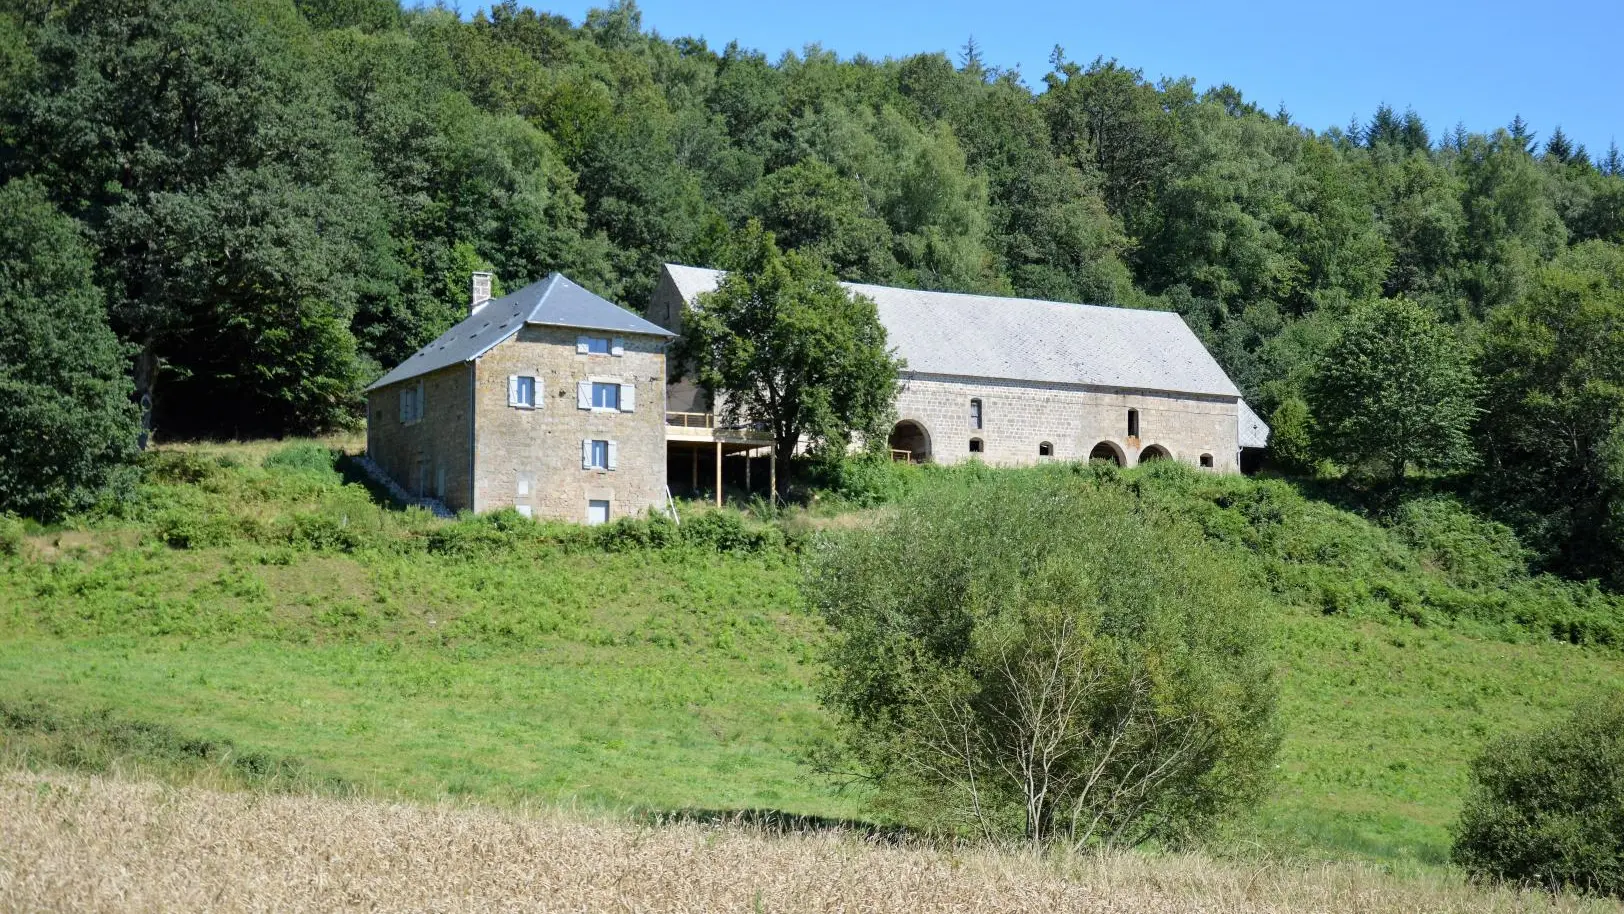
[537,452]
[430,457]
[1017,418]
[667,309]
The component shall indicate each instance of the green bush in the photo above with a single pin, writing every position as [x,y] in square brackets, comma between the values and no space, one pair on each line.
[307,458]
[984,619]
[12,539]
[1548,808]
[1471,550]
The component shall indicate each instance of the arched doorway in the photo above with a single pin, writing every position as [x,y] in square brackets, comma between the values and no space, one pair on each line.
[1154,452]
[909,441]
[1105,452]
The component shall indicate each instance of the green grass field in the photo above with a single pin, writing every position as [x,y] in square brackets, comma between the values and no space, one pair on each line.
[628,677]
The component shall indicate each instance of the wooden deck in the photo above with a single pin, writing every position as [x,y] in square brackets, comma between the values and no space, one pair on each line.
[702,438]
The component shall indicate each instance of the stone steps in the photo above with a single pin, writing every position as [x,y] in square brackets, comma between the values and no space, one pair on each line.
[377,475]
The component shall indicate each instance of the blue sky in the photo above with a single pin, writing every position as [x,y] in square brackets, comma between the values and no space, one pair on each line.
[1479,63]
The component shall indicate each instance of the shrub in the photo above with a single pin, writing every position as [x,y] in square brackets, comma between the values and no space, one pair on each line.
[12,539]
[1473,551]
[324,532]
[306,458]
[1548,808]
[1032,654]
[632,533]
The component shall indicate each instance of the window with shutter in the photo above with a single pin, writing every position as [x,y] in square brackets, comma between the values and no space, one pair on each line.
[522,391]
[628,398]
[581,345]
[618,347]
[605,395]
[612,455]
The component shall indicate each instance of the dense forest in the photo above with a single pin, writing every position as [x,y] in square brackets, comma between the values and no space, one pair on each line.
[237,212]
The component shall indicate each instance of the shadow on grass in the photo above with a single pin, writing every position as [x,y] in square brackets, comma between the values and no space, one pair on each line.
[34,734]
[779,822]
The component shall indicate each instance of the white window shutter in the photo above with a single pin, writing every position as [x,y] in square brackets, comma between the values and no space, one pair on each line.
[404,403]
[614,454]
[583,395]
[581,345]
[539,401]
[586,453]
[417,402]
[617,346]
[513,390]
[628,398]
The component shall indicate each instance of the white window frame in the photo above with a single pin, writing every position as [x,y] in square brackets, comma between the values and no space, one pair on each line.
[516,384]
[585,344]
[608,510]
[605,387]
[591,454]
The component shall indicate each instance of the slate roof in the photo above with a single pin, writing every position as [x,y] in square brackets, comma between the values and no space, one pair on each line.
[1022,339]
[1254,432]
[555,302]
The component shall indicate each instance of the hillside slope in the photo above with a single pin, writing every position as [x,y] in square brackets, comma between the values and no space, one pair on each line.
[255,617]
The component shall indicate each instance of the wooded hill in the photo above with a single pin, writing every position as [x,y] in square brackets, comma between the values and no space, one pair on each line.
[273,199]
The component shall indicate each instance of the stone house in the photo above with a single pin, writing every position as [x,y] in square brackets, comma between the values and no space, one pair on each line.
[1016,381]
[550,400]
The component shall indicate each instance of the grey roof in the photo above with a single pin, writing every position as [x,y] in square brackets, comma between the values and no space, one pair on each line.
[1021,339]
[554,302]
[1254,432]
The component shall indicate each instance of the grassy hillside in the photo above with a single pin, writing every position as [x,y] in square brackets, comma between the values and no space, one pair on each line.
[256,617]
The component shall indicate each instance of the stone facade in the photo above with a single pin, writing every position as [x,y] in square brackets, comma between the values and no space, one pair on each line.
[1018,418]
[431,457]
[533,457]
[667,308]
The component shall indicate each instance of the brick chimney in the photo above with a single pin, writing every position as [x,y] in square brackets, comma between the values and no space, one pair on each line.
[482,292]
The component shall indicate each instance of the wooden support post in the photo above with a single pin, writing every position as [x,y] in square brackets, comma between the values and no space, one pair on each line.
[772,474]
[693,455]
[747,460]
[718,474]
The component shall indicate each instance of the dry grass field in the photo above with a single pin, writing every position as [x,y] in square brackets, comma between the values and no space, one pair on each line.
[74,843]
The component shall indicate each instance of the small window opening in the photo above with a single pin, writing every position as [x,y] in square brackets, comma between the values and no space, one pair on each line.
[975,445]
[1133,423]
[1045,449]
[599,455]
[1206,461]
[975,414]
[597,345]
[524,391]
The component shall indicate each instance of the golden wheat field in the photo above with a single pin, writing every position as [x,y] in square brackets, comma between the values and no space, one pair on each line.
[71,843]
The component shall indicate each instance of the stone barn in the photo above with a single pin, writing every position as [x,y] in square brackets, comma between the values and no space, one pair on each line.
[1016,381]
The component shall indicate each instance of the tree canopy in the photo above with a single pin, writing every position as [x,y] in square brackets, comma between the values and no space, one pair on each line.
[781,343]
[67,423]
[282,198]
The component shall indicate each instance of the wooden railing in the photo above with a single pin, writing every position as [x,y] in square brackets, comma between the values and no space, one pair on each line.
[900,456]
[691,420]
